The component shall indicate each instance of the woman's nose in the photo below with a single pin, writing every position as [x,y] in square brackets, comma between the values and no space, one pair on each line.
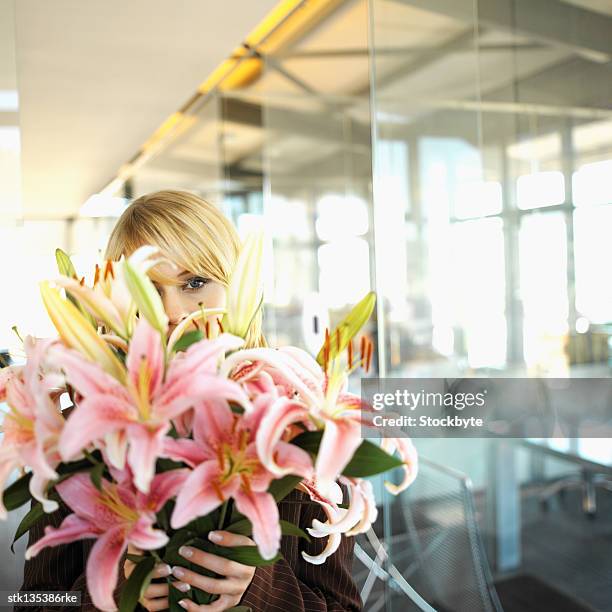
[174,307]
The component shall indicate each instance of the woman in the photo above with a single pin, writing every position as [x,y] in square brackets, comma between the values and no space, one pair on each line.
[204,246]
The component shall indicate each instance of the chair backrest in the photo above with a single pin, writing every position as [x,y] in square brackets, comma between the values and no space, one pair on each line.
[438,549]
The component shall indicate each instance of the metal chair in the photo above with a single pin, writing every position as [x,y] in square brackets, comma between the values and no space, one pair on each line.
[431,558]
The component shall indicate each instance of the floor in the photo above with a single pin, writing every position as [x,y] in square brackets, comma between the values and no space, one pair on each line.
[568,550]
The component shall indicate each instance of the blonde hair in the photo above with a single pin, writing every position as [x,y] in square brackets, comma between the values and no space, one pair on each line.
[191,231]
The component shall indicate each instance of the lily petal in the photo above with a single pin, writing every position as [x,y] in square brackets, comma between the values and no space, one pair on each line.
[408,454]
[185,450]
[145,537]
[145,446]
[280,414]
[146,351]
[103,568]
[340,440]
[72,528]
[261,509]
[87,377]
[198,496]
[95,417]
[164,486]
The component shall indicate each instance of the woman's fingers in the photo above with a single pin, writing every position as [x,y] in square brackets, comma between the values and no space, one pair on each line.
[218,586]
[156,596]
[227,538]
[156,589]
[160,570]
[223,603]
[155,604]
[219,565]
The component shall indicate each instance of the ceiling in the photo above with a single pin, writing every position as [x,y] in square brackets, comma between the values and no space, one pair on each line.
[97,78]
[308,113]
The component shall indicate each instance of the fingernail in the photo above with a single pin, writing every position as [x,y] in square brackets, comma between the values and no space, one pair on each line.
[178,572]
[185,551]
[182,586]
[183,603]
[215,536]
[163,569]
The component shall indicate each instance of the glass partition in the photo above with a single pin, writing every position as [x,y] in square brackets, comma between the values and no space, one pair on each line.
[492,212]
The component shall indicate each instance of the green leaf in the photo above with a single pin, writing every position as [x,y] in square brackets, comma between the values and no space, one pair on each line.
[241,527]
[32,517]
[279,489]
[18,493]
[369,459]
[165,465]
[96,475]
[245,527]
[203,524]
[247,555]
[349,327]
[288,528]
[135,558]
[187,339]
[136,584]
[309,441]
[67,469]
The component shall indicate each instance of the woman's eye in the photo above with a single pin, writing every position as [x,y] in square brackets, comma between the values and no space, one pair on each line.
[197,282]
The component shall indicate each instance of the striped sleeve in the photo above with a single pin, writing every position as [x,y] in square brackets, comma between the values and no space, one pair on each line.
[294,585]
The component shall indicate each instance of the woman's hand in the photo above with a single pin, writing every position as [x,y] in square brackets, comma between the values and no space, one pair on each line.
[156,595]
[231,587]
[237,576]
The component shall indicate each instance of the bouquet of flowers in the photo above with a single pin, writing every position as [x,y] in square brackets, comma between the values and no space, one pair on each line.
[170,436]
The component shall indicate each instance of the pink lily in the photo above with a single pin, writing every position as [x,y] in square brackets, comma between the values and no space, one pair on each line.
[116,516]
[134,419]
[318,397]
[226,465]
[32,426]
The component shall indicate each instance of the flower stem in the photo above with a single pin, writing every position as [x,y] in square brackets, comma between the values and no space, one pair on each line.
[222,515]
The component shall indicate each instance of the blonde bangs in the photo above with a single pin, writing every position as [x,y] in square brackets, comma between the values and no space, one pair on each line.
[191,232]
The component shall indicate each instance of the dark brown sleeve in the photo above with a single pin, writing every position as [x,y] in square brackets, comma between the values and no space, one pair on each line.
[60,568]
[294,585]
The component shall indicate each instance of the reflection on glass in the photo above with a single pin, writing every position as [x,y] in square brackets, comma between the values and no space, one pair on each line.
[344,271]
[478,199]
[340,215]
[476,299]
[591,183]
[543,289]
[593,254]
[540,189]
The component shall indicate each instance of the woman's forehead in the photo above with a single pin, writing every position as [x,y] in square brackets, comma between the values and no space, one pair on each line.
[169,272]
